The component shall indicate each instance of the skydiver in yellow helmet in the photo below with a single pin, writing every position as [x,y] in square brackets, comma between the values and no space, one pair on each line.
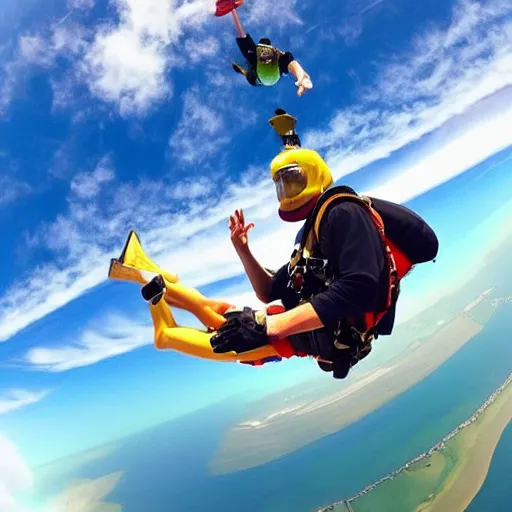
[300,176]
[340,287]
[265,63]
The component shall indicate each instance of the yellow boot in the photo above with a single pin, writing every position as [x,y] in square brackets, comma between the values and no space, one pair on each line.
[135,265]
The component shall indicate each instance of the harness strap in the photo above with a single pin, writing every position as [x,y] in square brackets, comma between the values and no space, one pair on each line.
[371,319]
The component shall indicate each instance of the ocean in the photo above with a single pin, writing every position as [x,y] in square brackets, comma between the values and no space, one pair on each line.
[495,493]
[166,467]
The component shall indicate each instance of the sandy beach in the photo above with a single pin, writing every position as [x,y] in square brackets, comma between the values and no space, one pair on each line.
[449,475]
[475,445]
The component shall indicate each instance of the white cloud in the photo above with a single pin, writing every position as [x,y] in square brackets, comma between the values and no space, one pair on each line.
[117,335]
[40,50]
[34,50]
[282,12]
[14,399]
[70,38]
[201,131]
[450,160]
[126,70]
[15,476]
[12,189]
[127,63]
[353,22]
[197,50]
[80,4]
[192,189]
[7,85]
[88,185]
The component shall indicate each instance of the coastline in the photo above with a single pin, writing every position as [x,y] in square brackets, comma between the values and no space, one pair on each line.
[474,442]
[477,448]
[244,447]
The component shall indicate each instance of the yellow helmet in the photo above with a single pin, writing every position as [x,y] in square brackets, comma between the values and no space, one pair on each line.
[300,176]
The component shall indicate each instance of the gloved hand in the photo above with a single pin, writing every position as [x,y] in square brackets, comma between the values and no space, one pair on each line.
[244,330]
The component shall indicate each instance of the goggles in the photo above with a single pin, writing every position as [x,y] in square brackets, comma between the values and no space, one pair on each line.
[290,181]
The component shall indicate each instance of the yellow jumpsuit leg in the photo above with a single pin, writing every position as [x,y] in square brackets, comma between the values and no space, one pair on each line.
[209,312]
[194,342]
[134,263]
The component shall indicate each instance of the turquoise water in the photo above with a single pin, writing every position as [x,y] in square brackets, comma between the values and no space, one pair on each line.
[166,467]
[495,494]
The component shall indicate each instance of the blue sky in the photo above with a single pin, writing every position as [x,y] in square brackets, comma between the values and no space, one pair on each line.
[126,114]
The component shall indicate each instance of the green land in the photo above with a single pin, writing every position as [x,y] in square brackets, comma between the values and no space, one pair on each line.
[450,474]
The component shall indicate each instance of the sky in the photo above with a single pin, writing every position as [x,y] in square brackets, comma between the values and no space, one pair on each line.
[126,115]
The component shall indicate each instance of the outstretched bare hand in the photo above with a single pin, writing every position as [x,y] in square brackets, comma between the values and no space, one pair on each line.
[303,85]
[239,230]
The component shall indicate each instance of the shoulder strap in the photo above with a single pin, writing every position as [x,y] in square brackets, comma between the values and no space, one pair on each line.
[346,197]
[311,229]
[371,319]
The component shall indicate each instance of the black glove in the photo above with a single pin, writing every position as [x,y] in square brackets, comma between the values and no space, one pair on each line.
[242,332]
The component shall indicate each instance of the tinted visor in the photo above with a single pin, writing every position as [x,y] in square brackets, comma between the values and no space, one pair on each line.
[290,182]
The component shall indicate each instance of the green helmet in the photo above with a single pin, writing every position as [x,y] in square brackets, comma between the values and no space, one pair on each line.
[267,64]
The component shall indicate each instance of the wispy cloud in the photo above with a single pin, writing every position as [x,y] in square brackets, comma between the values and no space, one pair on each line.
[38,50]
[199,49]
[33,49]
[284,12]
[80,4]
[88,185]
[175,233]
[192,189]
[451,159]
[14,399]
[117,335]
[370,6]
[200,133]
[12,189]
[354,19]
[15,476]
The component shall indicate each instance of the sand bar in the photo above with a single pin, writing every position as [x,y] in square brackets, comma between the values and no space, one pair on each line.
[476,445]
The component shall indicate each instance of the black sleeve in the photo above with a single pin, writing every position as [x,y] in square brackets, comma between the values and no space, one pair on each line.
[351,243]
[247,47]
[284,62]
[279,289]
[279,284]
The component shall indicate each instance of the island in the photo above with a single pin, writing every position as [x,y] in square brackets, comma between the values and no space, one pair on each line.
[448,475]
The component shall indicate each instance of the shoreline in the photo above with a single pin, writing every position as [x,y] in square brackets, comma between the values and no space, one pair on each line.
[452,483]
[461,489]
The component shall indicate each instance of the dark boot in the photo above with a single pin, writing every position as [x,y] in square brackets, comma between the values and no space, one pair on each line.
[154,290]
